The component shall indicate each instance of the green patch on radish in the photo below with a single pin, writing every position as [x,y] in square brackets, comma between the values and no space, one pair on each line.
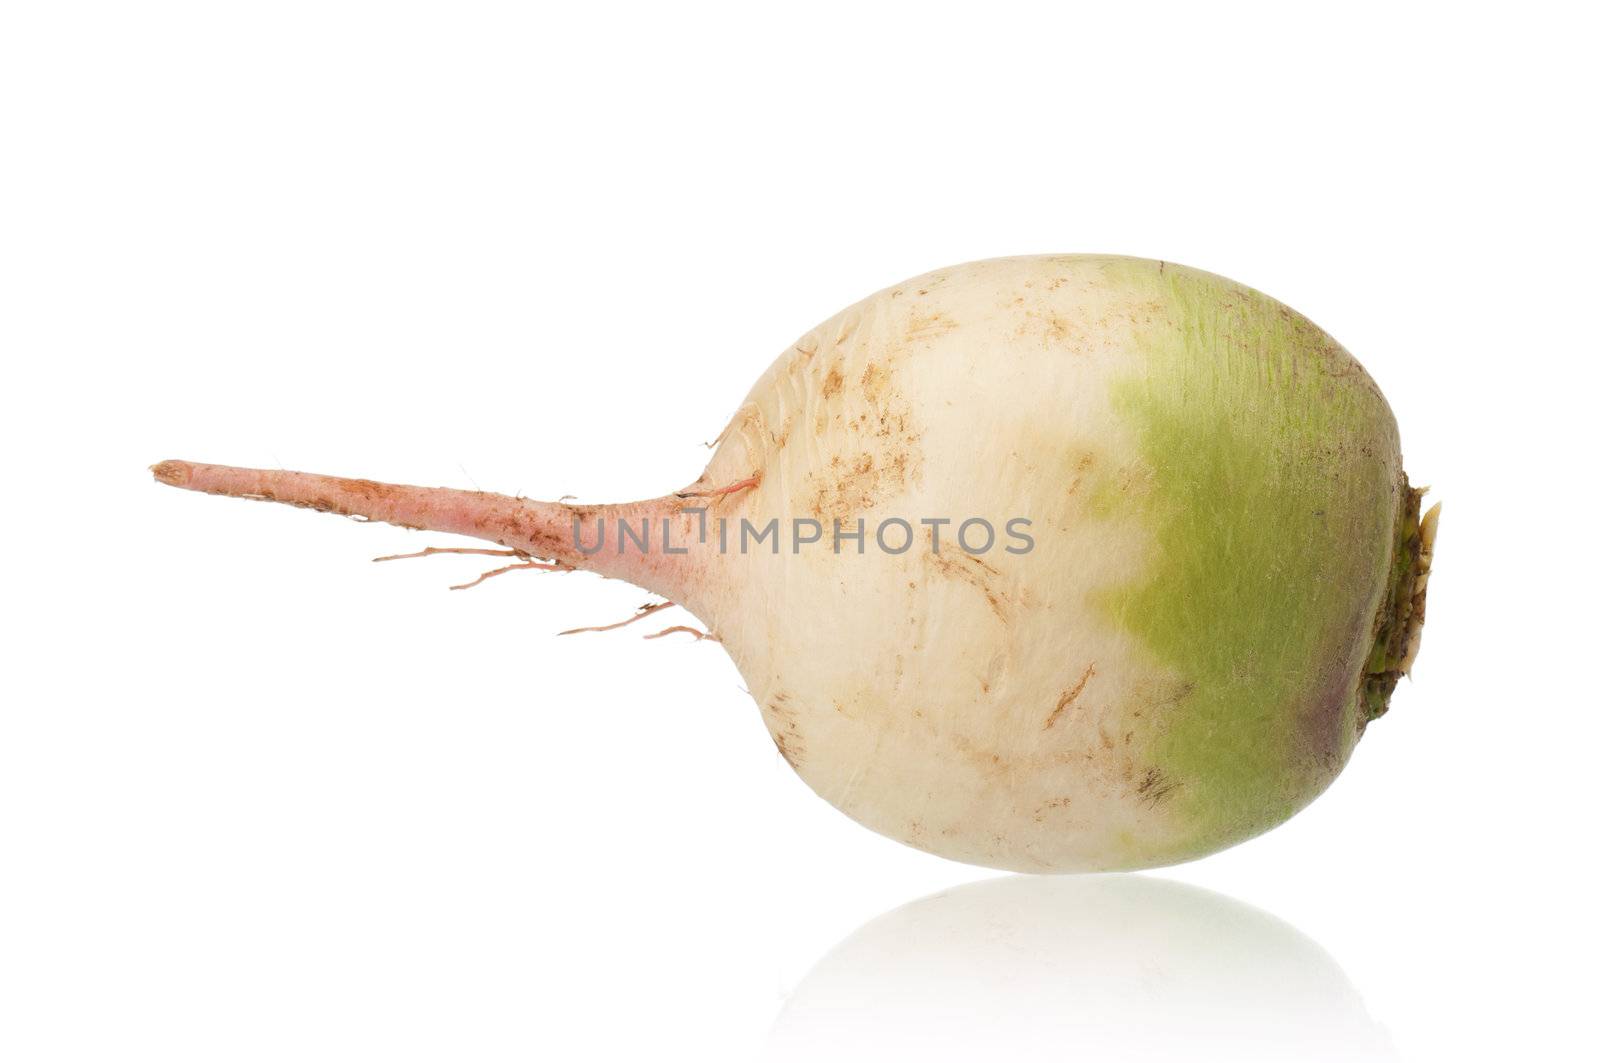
[1275,489]
[1223,573]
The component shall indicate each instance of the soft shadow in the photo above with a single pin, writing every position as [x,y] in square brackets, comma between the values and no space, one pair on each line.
[1098,967]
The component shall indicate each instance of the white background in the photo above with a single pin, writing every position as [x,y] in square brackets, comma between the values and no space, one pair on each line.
[261,800]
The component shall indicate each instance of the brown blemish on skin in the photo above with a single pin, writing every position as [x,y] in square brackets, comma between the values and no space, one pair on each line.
[832,382]
[927,326]
[873,382]
[1155,787]
[870,444]
[785,731]
[1059,802]
[1055,329]
[536,536]
[1068,697]
[859,481]
[1159,696]
[1094,769]
[973,571]
[787,749]
[845,493]
[1079,471]
[1058,328]
[983,758]
[319,504]
[367,488]
[1135,479]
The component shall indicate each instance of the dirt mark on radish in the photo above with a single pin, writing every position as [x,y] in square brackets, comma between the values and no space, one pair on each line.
[875,442]
[954,563]
[1068,697]
[785,730]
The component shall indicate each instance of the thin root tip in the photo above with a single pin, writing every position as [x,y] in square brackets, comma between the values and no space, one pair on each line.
[172,473]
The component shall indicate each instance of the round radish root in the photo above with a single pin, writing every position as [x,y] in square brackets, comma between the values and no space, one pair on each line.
[1204,568]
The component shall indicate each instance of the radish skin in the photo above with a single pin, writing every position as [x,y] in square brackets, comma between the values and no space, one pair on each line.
[1224,574]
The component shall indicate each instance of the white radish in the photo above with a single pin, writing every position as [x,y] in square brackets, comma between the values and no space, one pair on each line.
[1053,563]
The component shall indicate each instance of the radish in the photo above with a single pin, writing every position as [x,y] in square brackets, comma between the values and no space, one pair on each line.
[1056,563]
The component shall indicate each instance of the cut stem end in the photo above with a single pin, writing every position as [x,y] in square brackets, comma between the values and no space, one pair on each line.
[1398,629]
